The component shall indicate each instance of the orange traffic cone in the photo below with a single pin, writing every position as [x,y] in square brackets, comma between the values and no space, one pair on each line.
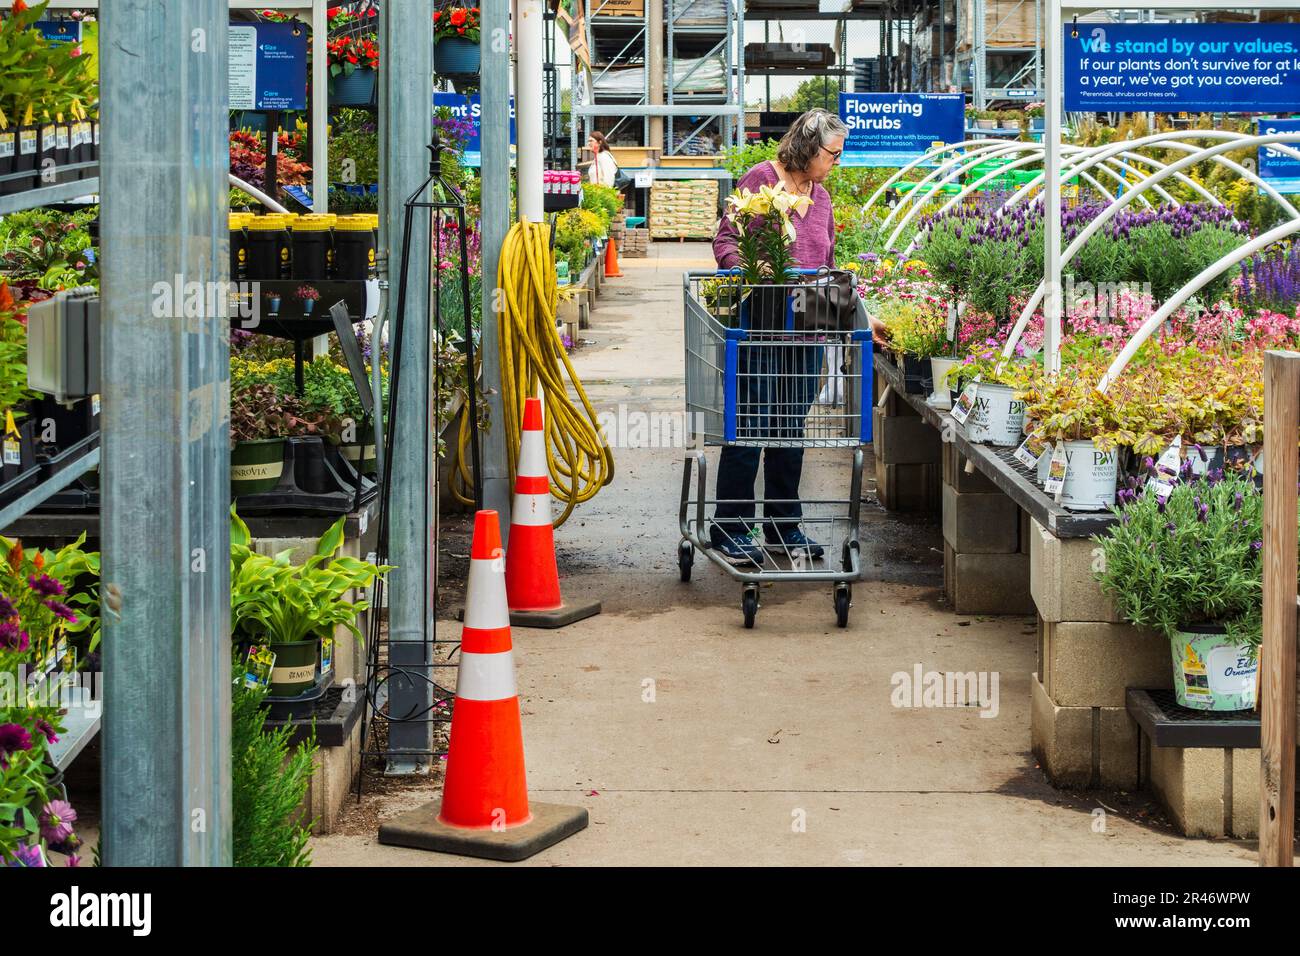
[611,260]
[532,577]
[485,810]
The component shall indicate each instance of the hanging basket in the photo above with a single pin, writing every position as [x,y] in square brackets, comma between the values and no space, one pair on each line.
[456,58]
[354,89]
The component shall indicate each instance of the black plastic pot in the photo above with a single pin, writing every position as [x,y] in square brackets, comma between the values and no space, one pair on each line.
[917,376]
[8,150]
[296,664]
[256,466]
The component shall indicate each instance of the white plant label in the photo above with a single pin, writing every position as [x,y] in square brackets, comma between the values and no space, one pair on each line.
[951,329]
[1166,475]
[966,401]
[1056,472]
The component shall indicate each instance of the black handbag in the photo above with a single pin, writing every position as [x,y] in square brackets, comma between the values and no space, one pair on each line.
[826,302]
[622,180]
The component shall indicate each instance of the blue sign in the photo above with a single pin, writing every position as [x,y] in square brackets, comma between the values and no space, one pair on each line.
[892,129]
[1176,67]
[468,108]
[60,31]
[268,66]
[1279,170]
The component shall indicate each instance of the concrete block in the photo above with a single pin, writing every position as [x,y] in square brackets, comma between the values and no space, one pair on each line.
[1090,664]
[1061,738]
[1083,747]
[904,441]
[1208,791]
[976,523]
[987,583]
[1061,578]
[334,769]
[908,488]
[954,473]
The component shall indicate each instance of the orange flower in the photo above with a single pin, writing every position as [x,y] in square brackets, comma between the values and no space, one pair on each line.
[16,556]
[6,298]
[39,561]
[20,6]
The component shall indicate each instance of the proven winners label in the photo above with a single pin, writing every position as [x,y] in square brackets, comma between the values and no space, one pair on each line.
[893,129]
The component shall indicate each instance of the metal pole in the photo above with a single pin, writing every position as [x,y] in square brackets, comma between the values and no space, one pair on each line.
[320,174]
[1052,103]
[406,127]
[166,475]
[528,107]
[494,88]
[654,61]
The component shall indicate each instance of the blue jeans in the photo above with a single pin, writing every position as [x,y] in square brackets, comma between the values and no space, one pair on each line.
[776,385]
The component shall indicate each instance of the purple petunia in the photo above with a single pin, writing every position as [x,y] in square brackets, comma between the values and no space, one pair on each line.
[61,610]
[28,856]
[46,729]
[56,821]
[45,585]
[14,738]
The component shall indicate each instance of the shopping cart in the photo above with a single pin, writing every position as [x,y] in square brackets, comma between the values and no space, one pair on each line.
[753,380]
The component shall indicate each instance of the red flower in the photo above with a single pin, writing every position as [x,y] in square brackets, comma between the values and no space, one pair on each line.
[436,15]
[20,6]
[333,12]
[458,17]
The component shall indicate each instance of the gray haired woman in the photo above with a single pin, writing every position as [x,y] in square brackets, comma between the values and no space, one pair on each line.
[806,155]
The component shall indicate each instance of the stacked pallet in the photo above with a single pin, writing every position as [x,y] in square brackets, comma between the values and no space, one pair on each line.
[635,244]
[683,208]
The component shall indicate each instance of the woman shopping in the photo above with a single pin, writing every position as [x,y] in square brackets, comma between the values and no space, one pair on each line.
[778,382]
[603,169]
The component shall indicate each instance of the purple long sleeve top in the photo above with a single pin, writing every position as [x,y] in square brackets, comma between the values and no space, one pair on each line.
[814,232]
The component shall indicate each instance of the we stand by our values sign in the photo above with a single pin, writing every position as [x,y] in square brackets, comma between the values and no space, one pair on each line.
[1175,67]
[892,129]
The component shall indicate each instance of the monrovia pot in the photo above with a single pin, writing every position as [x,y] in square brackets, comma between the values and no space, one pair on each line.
[256,466]
[1210,671]
[939,368]
[916,375]
[998,417]
[355,89]
[456,56]
[1090,476]
[295,667]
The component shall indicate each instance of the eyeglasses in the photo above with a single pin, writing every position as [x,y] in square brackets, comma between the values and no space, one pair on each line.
[835,153]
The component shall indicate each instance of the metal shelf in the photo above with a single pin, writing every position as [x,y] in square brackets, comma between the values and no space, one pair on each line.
[53,485]
[50,195]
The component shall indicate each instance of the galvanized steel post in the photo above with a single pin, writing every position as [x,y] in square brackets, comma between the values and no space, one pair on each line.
[166,474]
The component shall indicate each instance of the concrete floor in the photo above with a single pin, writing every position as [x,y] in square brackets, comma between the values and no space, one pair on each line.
[694,741]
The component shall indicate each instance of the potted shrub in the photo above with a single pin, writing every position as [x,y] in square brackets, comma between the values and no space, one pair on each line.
[917,333]
[986,119]
[289,608]
[1189,566]
[456,41]
[261,418]
[1035,113]
[997,414]
[272,301]
[1009,119]
[353,66]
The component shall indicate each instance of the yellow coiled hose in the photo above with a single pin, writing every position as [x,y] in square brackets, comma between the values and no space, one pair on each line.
[532,355]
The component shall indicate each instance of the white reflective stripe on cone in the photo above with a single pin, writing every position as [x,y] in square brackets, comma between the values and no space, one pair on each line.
[486,676]
[531,509]
[532,455]
[485,595]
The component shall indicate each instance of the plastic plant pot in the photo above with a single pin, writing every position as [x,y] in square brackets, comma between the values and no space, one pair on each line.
[998,418]
[256,466]
[1090,476]
[295,667]
[456,56]
[355,89]
[1211,672]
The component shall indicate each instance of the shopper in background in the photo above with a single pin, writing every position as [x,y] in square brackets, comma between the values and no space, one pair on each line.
[603,169]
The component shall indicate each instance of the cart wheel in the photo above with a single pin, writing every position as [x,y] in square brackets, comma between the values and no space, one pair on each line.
[685,558]
[843,597]
[749,605]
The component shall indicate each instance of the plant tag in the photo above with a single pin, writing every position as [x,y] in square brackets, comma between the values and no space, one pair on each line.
[326,655]
[258,666]
[363,522]
[6,145]
[26,142]
[94,405]
[1031,450]
[61,137]
[1166,476]
[966,401]
[950,330]
[1056,471]
[49,137]
[13,449]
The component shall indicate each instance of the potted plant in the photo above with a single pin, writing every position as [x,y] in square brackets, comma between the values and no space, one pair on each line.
[1189,566]
[456,41]
[290,608]
[353,66]
[917,333]
[1009,119]
[1035,113]
[763,244]
[308,296]
[986,119]
[261,418]
[272,301]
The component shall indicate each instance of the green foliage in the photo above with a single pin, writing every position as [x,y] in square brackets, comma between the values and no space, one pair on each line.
[40,78]
[604,201]
[1194,560]
[915,328]
[50,247]
[269,779]
[575,230]
[277,602]
[354,148]
[821,91]
[739,160]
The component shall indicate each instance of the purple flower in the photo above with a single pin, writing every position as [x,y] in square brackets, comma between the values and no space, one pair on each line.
[1160,505]
[68,846]
[45,585]
[7,609]
[46,729]
[13,738]
[12,638]
[1171,527]
[74,860]
[61,610]
[1256,545]
[27,856]
[56,821]
[1237,501]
